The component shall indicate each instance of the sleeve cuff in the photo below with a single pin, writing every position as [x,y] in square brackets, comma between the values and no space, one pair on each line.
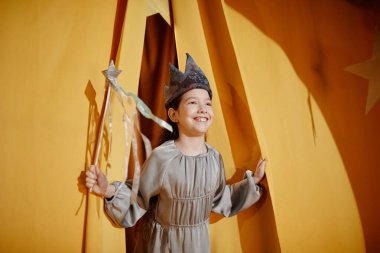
[117,189]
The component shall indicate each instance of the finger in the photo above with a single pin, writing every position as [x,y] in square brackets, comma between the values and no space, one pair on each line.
[89,185]
[90,175]
[90,181]
[262,167]
[260,164]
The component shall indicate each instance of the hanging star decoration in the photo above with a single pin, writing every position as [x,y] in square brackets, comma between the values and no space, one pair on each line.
[131,126]
[370,70]
[159,6]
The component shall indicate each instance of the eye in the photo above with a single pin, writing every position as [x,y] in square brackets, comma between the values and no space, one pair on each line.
[209,104]
[192,102]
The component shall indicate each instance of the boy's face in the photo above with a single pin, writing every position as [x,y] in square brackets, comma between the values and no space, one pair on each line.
[194,114]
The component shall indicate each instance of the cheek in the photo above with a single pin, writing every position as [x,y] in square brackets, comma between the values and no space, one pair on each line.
[211,113]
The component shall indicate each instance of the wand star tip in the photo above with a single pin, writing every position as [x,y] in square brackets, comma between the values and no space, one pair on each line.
[112,71]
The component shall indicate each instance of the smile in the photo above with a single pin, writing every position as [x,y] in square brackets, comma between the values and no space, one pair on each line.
[201,119]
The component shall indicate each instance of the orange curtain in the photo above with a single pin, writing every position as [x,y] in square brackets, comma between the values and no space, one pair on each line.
[324,129]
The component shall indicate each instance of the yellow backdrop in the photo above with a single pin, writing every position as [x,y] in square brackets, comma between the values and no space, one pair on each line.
[285,87]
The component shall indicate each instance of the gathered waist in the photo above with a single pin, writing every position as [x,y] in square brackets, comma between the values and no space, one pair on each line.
[184,212]
[178,226]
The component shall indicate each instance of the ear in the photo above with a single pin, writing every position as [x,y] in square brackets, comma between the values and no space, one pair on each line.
[173,115]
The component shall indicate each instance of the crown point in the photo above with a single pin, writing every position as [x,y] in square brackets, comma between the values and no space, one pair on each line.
[181,82]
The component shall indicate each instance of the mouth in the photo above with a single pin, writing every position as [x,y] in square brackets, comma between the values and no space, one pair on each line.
[201,119]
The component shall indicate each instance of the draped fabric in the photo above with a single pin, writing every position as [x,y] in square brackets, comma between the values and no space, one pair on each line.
[295,82]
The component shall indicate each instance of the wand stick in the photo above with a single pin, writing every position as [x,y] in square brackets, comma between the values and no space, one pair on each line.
[111,74]
[101,130]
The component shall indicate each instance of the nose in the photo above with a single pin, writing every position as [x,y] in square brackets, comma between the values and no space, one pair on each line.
[202,109]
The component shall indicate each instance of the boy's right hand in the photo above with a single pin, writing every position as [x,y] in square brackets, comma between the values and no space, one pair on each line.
[96,181]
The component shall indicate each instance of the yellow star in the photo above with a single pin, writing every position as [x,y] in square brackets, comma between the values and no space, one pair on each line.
[370,70]
[159,6]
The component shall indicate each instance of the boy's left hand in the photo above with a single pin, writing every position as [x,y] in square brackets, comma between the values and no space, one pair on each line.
[260,170]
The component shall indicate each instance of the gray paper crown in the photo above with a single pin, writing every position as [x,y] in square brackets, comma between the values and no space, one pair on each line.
[179,83]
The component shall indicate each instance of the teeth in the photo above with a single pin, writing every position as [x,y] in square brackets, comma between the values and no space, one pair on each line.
[201,119]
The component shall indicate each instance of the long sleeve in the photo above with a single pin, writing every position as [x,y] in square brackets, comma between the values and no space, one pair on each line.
[120,210]
[231,199]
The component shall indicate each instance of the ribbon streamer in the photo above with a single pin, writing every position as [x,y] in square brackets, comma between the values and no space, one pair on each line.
[141,106]
[130,125]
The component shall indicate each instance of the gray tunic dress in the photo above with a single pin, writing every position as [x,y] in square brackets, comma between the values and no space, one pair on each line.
[177,194]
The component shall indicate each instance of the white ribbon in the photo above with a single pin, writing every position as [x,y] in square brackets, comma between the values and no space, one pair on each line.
[130,126]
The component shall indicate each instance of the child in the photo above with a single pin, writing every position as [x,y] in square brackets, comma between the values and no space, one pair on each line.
[183,179]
